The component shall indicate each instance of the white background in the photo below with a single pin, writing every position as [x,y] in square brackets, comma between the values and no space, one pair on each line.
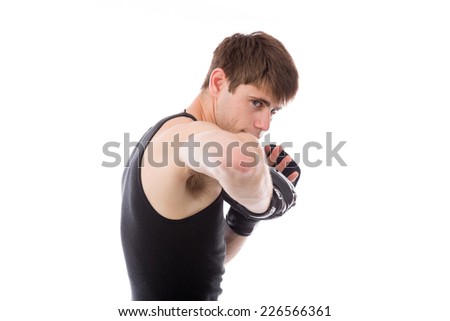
[371,240]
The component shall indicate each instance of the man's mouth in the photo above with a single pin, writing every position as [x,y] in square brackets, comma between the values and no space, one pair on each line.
[256,135]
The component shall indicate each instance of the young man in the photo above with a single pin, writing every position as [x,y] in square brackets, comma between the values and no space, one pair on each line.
[174,234]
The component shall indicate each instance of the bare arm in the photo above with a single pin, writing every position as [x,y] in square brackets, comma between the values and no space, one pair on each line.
[234,243]
[249,185]
[236,161]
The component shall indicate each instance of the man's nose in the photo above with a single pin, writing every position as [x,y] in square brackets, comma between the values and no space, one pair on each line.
[263,119]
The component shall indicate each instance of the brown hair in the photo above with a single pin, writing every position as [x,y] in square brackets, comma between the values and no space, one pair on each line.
[257,59]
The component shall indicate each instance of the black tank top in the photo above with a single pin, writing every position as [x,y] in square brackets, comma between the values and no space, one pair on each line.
[169,259]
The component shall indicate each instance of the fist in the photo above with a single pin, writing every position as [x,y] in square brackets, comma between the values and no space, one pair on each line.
[278,158]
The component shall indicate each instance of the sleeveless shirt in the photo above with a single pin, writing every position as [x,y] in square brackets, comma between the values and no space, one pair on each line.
[169,259]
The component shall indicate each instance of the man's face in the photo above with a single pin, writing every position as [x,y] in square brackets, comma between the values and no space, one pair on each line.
[248,109]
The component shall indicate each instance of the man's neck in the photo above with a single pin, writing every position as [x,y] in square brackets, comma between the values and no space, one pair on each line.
[202,108]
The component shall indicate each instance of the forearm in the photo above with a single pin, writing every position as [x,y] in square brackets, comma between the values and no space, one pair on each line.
[241,222]
[248,180]
[234,243]
[238,164]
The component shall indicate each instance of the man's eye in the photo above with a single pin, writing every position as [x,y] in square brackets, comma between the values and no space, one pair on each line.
[273,111]
[257,103]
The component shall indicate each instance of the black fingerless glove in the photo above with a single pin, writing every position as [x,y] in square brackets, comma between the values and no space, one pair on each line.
[290,168]
[240,224]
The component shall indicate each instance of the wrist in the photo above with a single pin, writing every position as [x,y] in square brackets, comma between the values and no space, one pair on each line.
[239,223]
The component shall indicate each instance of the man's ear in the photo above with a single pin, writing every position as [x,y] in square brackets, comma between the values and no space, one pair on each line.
[217,81]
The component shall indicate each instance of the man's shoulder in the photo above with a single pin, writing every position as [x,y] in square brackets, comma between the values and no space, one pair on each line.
[184,127]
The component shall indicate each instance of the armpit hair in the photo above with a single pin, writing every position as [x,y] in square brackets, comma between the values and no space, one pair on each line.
[196,183]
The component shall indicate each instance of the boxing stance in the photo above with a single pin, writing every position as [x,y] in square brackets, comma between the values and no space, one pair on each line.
[175,237]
